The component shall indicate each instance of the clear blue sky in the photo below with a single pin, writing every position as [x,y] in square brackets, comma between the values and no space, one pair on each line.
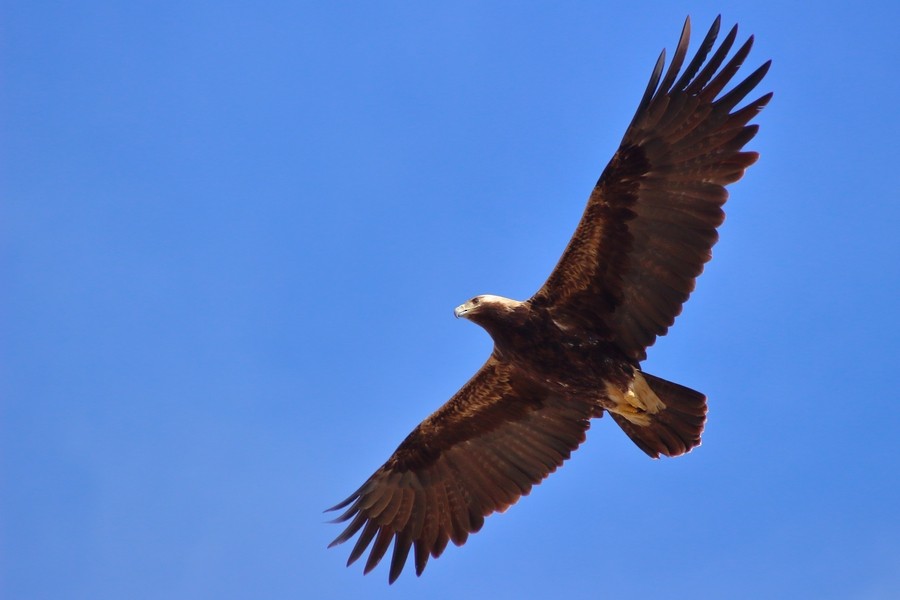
[232,236]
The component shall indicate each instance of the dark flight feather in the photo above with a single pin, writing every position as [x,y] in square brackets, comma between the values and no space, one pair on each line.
[573,350]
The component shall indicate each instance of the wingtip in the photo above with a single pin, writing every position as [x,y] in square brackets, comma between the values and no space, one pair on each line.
[339,505]
[716,26]
[734,30]
[661,61]
[394,574]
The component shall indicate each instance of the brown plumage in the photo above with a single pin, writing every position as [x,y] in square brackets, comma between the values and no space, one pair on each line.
[573,350]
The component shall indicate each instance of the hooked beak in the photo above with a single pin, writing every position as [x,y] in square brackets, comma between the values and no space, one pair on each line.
[462,309]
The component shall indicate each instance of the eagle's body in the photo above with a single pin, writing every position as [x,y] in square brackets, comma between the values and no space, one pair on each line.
[573,350]
[554,357]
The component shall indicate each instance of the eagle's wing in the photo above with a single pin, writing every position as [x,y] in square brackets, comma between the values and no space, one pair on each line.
[651,220]
[477,454]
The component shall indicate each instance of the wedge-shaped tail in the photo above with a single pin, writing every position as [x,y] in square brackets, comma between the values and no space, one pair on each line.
[676,424]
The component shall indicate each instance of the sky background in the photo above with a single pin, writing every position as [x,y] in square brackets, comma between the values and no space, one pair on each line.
[232,236]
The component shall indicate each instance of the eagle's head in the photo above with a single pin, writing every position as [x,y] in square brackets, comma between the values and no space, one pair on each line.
[486,306]
[499,316]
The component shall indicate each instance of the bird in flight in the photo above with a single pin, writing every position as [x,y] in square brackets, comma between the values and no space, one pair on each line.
[573,350]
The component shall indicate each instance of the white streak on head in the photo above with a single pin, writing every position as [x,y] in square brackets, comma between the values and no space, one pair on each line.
[485,300]
[507,303]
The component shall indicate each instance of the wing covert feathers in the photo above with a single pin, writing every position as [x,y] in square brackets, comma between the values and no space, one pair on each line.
[476,455]
[650,223]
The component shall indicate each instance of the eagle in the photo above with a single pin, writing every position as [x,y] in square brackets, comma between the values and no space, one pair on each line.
[573,351]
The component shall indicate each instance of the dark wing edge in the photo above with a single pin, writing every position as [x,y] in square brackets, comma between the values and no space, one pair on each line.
[478,454]
[650,223]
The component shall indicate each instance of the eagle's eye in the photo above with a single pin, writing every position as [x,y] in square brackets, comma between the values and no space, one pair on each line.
[476,300]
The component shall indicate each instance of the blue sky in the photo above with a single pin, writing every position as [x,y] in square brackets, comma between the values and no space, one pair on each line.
[231,240]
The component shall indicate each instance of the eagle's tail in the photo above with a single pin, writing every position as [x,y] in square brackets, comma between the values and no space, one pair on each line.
[666,418]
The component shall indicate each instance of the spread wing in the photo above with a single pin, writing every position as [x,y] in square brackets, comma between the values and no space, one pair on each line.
[651,220]
[477,454]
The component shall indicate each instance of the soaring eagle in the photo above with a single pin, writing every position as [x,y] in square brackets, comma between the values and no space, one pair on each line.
[573,350]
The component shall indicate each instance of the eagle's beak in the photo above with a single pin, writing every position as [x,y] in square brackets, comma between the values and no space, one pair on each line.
[461,310]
